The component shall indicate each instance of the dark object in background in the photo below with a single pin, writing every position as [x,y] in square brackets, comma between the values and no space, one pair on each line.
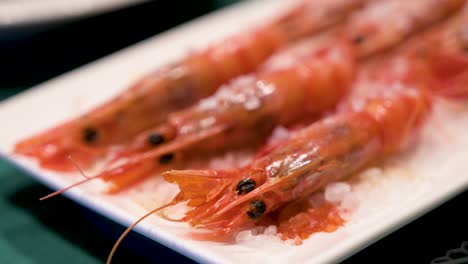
[36,57]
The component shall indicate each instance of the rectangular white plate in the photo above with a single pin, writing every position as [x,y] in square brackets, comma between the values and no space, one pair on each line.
[383,200]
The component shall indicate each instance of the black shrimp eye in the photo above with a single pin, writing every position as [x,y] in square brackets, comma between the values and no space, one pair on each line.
[155,139]
[89,135]
[166,158]
[245,186]
[463,38]
[257,209]
[358,39]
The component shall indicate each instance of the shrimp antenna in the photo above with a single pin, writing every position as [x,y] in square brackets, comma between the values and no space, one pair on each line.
[168,218]
[77,167]
[131,227]
[87,178]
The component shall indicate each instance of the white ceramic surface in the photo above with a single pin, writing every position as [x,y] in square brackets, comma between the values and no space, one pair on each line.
[28,12]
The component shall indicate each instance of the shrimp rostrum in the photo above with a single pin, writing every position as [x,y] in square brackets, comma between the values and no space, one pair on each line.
[176,86]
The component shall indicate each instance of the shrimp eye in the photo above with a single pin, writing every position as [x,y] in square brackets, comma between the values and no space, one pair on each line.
[358,39]
[155,139]
[89,135]
[245,186]
[166,158]
[257,208]
[463,38]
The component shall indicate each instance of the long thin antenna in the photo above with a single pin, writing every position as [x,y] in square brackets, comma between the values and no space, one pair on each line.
[77,167]
[130,228]
[87,178]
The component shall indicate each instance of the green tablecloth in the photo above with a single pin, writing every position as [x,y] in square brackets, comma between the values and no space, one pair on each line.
[60,231]
[25,232]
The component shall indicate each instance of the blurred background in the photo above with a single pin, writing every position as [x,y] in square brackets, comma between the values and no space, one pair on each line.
[36,48]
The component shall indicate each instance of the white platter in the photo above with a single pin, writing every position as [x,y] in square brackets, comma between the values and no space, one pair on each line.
[421,179]
[30,12]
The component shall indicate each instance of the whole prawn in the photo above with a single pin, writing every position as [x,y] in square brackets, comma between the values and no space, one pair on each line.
[361,133]
[176,86]
[295,82]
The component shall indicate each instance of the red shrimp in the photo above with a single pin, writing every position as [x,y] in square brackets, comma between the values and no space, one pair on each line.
[149,101]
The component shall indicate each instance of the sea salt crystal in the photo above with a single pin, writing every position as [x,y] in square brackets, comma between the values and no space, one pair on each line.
[252,104]
[265,88]
[336,55]
[271,230]
[257,230]
[223,162]
[207,122]
[336,192]
[294,241]
[209,103]
[372,174]
[177,72]
[244,236]
[50,149]
[279,133]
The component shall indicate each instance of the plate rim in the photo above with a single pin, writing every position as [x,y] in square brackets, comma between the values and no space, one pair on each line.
[54,11]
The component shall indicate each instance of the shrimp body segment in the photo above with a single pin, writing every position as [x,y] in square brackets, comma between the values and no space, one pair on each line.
[174,87]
